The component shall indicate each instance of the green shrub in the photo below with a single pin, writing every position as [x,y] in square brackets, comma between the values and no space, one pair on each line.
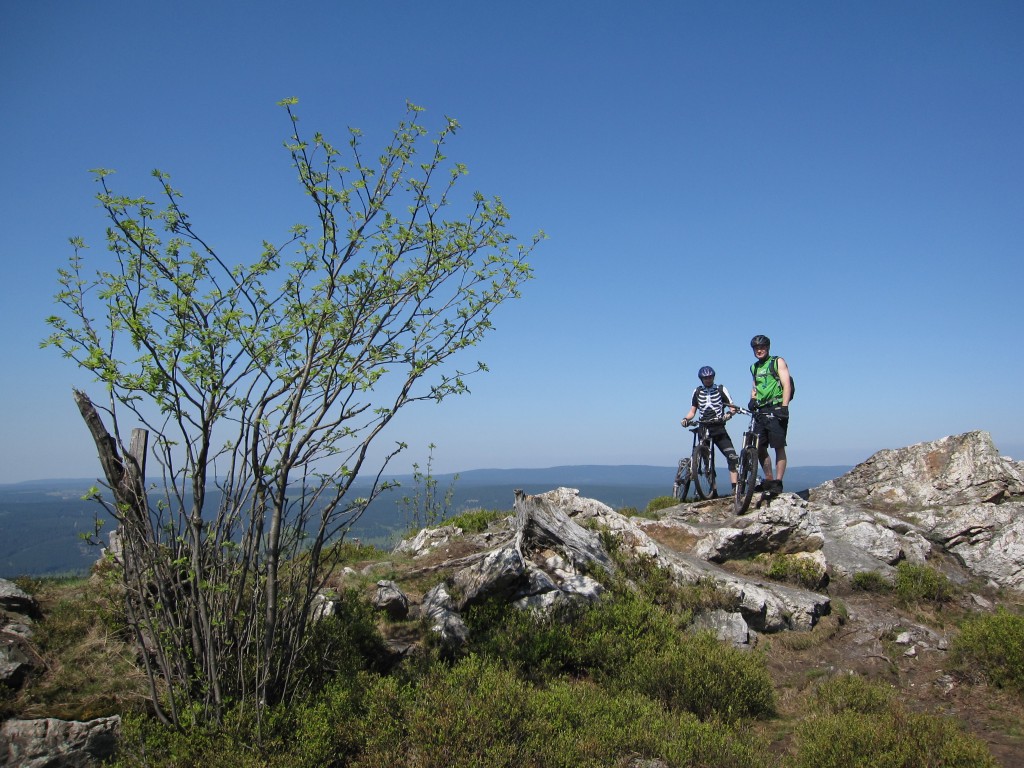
[994,645]
[471,714]
[890,739]
[852,693]
[475,520]
[353,551]
[921,582]
[794,569]
[702,675]
[871,581]
[342,644]
[630,644]
[659,503]
[539,647]
[660,586]
[479,714]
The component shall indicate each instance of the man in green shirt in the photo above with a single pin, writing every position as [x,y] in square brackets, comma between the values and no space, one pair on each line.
[770,395]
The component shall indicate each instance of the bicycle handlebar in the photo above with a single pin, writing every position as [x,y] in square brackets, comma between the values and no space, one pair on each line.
[695,424]
[756,414]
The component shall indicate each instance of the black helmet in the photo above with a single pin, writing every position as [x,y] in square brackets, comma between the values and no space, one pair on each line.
[706,371]
[760,341]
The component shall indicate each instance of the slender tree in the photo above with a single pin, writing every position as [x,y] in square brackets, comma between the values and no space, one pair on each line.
[263,386]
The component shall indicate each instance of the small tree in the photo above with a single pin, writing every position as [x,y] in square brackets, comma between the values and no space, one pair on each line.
[263,385]
[427,506]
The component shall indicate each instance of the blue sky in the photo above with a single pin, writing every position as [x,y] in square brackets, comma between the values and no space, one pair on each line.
[847,178]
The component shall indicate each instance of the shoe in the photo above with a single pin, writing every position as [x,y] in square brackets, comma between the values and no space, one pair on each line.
[773,486]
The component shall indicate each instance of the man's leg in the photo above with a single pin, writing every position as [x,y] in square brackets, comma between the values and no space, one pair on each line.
[779,444]
[780,463]
[728,450]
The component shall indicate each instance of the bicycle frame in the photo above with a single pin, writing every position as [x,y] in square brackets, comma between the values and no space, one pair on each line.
[702,471]
[749,461]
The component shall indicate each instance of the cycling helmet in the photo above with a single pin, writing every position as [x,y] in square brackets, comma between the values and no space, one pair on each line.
[706,371]
[760,341]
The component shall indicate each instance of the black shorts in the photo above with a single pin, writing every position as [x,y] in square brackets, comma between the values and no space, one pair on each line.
[772,429]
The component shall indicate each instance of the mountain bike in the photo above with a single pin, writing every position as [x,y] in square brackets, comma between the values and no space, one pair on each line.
[700,467]
[748,465]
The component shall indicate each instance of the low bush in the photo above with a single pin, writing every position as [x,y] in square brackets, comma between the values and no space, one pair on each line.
[701,675]
[795,569]
[480,714]
[342,644]
[871,581]
[659,503]
[475,520]
[852,693]
[629,644]
[921,582]
[993,644]
[888,739]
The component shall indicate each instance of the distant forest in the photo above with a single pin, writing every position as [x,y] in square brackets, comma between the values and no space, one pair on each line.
[40,521]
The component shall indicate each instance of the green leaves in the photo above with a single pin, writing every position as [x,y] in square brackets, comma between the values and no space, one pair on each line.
[278,373]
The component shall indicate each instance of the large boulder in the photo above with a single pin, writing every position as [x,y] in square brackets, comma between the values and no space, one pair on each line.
[13,599]
[988,539]
[52,743]
[18,612]
[955,470]
[957,494]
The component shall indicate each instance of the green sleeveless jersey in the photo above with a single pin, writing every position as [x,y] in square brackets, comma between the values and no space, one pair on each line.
[767,386]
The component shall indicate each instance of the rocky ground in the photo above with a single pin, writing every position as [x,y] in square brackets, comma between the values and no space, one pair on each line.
[907,646]
[953,505]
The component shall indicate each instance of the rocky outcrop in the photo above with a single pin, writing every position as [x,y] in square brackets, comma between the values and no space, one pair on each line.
[547,561]
[987,539]
[18,613]
[390,599]
[953,471]
[427,540]
[15,600]
[52,743]
[954,496]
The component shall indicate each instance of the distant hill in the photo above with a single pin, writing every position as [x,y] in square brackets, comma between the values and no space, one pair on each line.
[40,520]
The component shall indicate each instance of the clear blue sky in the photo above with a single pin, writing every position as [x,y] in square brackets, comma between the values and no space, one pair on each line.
[845,177]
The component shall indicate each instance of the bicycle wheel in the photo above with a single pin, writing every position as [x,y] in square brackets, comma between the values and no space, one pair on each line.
[703,470]
[681,487]
[746,479]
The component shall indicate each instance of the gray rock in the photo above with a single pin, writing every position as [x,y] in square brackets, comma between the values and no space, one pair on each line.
[16,600]
[325,605]
[438,609]
[728,627]
[988,539]
[15,662]
[426,540]
[955,470]
[500,571]
[390,599]
[52,743]
[787,526]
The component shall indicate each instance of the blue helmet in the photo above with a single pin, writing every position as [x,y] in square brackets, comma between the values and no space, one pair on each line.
[705,372]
